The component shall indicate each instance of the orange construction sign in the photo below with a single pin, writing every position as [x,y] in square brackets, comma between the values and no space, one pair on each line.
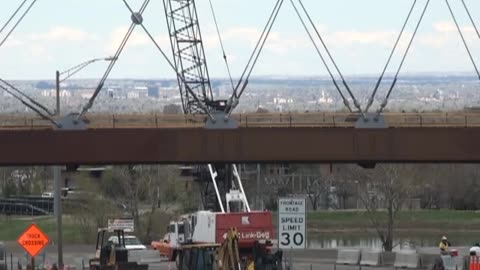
[33,240]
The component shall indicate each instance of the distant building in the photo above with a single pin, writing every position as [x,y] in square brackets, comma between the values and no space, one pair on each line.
[53,93]
[153,92]
[133,95]
[142,91]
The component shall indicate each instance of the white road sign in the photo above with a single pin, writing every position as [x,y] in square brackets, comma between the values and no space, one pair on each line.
[125,224]
[292,223]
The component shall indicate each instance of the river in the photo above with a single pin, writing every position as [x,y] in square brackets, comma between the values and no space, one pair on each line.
[402,240]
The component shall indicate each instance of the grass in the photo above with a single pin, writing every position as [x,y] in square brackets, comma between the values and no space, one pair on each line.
[418,220]
[321,221]
[12,227]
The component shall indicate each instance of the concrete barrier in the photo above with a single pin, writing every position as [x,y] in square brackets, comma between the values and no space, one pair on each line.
[407,260]
[371,258]
[347,257]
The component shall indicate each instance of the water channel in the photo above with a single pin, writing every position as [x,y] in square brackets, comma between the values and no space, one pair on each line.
[403,240]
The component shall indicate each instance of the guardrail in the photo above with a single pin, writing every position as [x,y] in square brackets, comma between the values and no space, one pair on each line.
[252,120]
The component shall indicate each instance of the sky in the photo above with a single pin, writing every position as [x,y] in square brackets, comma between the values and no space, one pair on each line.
[58,34]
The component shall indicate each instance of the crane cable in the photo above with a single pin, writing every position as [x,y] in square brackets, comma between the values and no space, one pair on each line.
[345,100]
[355,101]
[384,103]
[221,44]
[201,105]
[15,92]
[233,101]
[38,111]
[17,23]
[471,18]
[374,93]
[27,97]
[115,58]
[13,16]
[463,38]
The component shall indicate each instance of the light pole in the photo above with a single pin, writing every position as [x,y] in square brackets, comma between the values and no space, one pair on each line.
[57,170]
[69,73]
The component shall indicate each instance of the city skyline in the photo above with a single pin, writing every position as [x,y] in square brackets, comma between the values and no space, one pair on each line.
[359,35]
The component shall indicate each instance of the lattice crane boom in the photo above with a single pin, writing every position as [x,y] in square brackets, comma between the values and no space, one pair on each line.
[188,55]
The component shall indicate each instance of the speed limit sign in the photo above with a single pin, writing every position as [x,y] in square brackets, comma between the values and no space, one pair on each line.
[292,223]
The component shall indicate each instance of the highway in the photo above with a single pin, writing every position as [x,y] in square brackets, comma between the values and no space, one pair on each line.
[250,120]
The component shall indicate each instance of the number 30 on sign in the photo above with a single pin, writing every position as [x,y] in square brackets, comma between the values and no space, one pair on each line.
[292,223]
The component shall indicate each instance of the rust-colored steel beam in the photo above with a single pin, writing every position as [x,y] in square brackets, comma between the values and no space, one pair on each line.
[198,145]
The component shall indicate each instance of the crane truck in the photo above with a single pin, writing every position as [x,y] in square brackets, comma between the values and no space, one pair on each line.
[207,231]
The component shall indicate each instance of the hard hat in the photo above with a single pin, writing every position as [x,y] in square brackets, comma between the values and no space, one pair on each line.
[444,238]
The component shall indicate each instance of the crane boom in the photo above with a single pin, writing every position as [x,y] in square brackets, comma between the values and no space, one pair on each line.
[188,54]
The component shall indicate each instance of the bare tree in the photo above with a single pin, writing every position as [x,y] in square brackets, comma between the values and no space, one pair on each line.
[382,192]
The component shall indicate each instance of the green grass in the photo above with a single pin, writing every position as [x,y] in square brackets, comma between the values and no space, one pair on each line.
[12,227]
[321,221]
[421,219]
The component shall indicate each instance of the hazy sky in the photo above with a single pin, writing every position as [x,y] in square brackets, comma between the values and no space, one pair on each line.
[58,34]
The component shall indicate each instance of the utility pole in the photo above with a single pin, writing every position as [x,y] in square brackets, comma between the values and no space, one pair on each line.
[57,176]
[57,179]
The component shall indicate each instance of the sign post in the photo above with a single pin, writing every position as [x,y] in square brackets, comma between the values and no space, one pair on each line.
[292,223]
[32,240]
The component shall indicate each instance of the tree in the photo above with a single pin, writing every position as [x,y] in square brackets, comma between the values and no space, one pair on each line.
[382,192]
[172,109]
[143,190]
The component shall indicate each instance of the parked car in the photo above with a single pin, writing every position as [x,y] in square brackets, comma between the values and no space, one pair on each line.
[47,195]
[131,242]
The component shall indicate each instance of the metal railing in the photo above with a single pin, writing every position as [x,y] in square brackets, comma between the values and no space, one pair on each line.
[252,120]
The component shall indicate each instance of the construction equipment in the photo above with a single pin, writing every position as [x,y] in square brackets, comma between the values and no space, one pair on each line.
[111,255]
[240,236]
[227,256]
[226,225]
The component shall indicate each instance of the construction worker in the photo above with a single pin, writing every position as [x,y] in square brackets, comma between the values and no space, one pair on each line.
[444,244]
